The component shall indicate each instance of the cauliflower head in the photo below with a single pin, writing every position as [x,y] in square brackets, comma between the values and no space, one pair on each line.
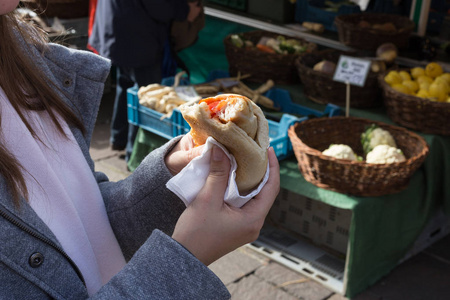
[375,136]
[340,151]
[385,154]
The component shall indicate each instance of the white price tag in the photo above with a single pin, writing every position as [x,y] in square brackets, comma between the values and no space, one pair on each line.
[352,70]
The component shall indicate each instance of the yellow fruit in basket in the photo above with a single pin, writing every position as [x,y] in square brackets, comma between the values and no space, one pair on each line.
[404,75]
[412,85]
[446,77]
[433,70]
[423,94]
[424,86]
[417,71]
[424,78]
[442,81]
[393,77]
[401,88]
[438,91]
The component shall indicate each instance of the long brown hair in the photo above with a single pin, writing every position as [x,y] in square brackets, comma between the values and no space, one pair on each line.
[22,81]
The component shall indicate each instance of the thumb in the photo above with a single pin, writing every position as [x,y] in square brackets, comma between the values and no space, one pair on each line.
[217,181]
[220,165]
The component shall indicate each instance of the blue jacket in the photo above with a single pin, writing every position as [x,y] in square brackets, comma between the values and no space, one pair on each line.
[132,33]
[141,210]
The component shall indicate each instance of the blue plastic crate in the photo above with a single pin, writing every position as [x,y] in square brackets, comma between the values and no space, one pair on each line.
[279,138]
[152,120]
[283,102]
[314,11]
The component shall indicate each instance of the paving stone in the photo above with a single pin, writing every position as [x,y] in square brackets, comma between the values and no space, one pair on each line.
[100,147]
[338,297]
[308,290]
[236,265]
[277,274]
[293,282]
[113,167]
[421,277]
[253,288]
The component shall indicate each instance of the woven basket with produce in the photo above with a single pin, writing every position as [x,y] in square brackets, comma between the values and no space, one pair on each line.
[265,55]
[356,156]
[370,30]
[316,74]
[418,98]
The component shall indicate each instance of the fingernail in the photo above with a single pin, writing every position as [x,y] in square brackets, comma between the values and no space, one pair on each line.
[217,154]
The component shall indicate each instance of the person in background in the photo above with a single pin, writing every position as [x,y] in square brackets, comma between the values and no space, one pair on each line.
[92,8]
[66,231]
[133,35]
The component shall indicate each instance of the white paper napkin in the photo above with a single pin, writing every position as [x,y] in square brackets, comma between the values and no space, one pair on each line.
[188,183]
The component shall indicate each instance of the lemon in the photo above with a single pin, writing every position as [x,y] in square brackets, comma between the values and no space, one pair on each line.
[446,77]
[448,100]
[393,77]
[401,88]
[442,81]
[423,94]
[424,78]
[438,91]
[424,86]
[417,71]
[412,85]
[433,70]
[404,75]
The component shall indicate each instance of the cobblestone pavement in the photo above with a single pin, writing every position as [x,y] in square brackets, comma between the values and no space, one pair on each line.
[251,276]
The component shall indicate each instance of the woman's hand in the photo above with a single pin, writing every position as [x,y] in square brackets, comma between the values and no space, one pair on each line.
[182,154]
[209,228]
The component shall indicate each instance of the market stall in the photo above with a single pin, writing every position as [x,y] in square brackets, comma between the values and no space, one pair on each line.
[353,241]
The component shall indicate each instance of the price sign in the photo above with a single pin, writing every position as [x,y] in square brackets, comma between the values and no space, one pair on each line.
[352,70]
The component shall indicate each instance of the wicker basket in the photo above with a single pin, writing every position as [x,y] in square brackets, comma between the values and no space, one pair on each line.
[260,65]
[311,137]
[64,9]
[369,38]
[414,112]
[321,88]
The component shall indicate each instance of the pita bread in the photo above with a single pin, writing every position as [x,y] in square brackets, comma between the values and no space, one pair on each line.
[240,126]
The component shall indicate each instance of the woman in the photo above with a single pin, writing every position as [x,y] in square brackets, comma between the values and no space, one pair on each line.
[66,232]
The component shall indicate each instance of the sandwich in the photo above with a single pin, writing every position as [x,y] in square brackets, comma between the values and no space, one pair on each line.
[240,126]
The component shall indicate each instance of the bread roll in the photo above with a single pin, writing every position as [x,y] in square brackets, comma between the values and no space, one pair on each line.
[237,123]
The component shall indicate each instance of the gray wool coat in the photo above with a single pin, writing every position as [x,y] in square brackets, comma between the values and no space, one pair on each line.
[142,213]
